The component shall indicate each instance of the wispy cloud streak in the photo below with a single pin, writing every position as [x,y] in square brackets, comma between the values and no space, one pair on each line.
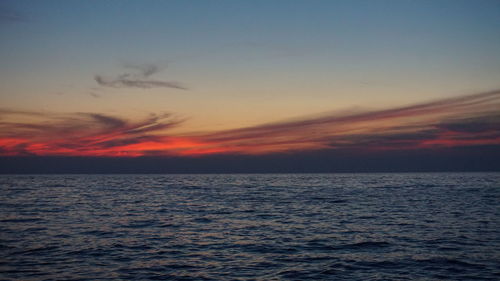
[139,79]
[389,128]
[77,133]
[464,121]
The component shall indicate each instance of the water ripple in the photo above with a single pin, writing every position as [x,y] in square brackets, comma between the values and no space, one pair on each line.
[250,227]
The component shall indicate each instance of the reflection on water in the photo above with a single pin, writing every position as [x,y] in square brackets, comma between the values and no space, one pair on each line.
[267,227]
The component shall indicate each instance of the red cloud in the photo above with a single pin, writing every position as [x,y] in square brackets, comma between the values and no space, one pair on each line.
[467,120]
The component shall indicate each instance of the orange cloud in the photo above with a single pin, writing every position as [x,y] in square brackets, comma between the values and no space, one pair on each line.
[463,121]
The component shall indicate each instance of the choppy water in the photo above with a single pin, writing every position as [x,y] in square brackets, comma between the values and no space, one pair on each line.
[250,227]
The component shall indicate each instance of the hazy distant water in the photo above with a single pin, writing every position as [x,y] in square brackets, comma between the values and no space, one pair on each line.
[239,227]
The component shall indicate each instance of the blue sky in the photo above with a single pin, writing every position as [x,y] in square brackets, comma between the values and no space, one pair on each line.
[220,65]
[342,53]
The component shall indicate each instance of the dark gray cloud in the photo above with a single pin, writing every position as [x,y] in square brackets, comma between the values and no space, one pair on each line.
[86,127]
[145,70]
[464,121]
[483,127]
[476,124]
[138,78]
[484,103]
[385,139]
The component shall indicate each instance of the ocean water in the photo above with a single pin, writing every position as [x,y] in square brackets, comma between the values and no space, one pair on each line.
[436,226]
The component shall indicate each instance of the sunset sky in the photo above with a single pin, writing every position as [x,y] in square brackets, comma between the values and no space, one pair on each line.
[205,78]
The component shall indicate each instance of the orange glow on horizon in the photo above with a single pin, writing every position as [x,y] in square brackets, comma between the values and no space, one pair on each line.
[464,121]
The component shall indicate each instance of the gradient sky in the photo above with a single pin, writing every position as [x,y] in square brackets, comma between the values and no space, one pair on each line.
[85,77]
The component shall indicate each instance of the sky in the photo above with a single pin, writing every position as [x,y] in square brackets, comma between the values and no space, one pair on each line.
[184,79]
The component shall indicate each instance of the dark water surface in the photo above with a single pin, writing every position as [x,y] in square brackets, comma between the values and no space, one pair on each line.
[250,227]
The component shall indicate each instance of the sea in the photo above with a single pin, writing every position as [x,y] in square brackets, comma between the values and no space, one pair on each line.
[400,226]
